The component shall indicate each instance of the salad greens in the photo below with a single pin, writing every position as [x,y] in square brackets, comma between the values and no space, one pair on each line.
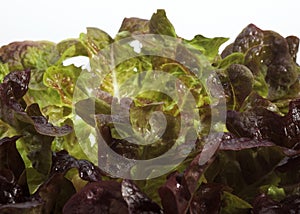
[250,164]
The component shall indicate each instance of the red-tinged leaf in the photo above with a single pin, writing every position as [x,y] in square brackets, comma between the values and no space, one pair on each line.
[13,183]
[137,201]
[54,192]
[250,36]
[261,124]
[10,157]
[10,191]
[263,204]
[18,82]
[201,162]
[97,197]
[233,143]
[62,162]
[291,124]
[174,196]
[207,199]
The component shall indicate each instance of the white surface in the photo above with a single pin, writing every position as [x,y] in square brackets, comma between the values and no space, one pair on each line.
[60,19]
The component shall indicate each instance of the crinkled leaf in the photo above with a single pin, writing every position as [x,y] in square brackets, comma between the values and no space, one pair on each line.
[159,24]
[120,146]
[38,132]
[97,197]
[178,191]
[150,135]
[14,86]
[18,82]
[259,75]
[94,40]
[237,81]
[291,123]
[41,124]
[276,193]
[271,58]
[10,190]
[228,50]
[71,48]
[34,55]
[63,80]
[249,37]
[293,43]
[262,124]
[135,25]
[208,46]
[6,130]
[137,201]
[62,162]
[257,123]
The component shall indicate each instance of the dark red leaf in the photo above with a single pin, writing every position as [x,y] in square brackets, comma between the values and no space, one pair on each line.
[249,37]
[18,82]
[261,124]
[54,193]
[137,201]
[263,204]
[174,196]
[232,143]
[10,157]
[97,197]
[62,162]
[10,191]
[207,199]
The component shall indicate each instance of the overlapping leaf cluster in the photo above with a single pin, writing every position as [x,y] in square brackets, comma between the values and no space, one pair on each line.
[255,167]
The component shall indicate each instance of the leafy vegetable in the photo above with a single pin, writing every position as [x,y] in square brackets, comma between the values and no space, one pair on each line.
[271,58]
[246,164]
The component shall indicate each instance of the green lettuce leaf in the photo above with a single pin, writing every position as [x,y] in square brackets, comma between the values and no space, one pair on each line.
[208,46]
[95,40]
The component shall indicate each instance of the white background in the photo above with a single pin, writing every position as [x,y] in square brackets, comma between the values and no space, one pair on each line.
[61,19]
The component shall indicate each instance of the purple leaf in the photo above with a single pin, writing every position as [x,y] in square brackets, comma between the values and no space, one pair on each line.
[97,197]
[174,196]
[62,162]
[261,124]
[207,199]
[137,201]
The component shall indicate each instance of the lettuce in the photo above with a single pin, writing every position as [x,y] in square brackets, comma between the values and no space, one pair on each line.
[248,163]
